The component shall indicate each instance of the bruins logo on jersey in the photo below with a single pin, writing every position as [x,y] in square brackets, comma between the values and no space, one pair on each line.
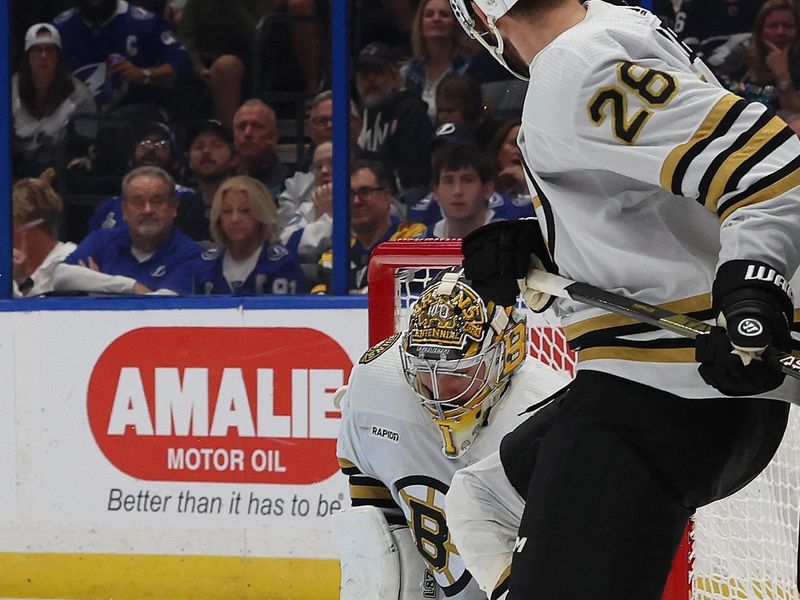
[447,320]
[422,502]
[378,349]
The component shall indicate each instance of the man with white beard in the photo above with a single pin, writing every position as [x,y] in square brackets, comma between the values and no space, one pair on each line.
[395,122]
[149,255]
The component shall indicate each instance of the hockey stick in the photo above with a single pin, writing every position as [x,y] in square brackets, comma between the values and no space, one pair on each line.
[681,324]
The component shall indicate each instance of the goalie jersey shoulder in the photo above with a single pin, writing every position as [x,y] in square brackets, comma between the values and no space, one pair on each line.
[378,349]
[378,386]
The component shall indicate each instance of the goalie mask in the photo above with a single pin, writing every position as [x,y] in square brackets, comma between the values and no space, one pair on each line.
[486,35]
[458,354]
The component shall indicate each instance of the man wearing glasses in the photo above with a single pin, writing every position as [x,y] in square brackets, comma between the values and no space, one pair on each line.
[298,188]
[371,222]
[155,146]
[149,255]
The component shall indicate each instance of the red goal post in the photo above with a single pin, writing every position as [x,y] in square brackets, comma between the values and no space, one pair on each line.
[742,548]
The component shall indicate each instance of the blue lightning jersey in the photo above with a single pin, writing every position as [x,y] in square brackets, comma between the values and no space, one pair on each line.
[171,267]
[505,207]
[145,39]
[191,218]
[277,271]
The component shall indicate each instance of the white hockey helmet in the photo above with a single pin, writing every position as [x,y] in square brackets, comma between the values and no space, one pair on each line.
[488,37]
[458,354]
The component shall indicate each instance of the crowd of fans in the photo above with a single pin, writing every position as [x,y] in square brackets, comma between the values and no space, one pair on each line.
[203,202]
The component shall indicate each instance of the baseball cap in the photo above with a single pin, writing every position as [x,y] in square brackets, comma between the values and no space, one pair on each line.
[42,33]
[452,133]
[376,53]
[210,126]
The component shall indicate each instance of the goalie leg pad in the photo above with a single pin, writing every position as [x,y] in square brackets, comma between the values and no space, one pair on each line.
[378,562]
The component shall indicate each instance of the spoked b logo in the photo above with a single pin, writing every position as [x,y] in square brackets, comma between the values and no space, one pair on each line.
[750,328]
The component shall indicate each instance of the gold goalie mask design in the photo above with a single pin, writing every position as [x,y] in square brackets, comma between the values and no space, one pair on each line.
[458,355]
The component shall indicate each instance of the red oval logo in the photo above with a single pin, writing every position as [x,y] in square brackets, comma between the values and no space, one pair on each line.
[244,405]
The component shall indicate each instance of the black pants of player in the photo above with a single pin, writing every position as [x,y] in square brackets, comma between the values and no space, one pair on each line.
[611,474]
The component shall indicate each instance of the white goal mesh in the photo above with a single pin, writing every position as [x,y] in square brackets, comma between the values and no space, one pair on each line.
[743,547]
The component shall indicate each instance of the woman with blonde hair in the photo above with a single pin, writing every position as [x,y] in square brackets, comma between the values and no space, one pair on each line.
[766,67]
[248,259]
[439,47]
[36,208]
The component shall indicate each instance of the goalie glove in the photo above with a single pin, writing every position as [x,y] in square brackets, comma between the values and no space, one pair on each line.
[498,255]
[755,310]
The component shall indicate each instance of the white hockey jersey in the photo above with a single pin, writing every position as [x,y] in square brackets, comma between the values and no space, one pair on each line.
[390,449]
[484,511]
[648,175]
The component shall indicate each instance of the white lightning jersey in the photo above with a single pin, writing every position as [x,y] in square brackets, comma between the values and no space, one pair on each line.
[648,175]
[391,450]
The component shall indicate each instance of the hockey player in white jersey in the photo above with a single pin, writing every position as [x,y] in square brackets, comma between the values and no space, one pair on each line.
[420,405]
[652,181]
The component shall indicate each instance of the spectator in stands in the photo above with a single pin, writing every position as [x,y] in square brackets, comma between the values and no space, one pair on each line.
[506,205]
[395,123]
[426,209]
[44,97]
[308,230]
[459,100]
[36,208]
[371,221]
[255,136]
[212,159]
[708,26]
[299,187]
[219,35]
[155,146]
[250,260]
[124,54]
[320,124]
[766,67]
[506,159]
[22,14]
[148,255]
[439,47]
[462,183]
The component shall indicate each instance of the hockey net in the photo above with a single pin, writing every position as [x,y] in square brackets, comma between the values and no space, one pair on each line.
[743,547]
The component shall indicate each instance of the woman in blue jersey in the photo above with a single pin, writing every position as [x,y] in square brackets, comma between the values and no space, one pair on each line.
[248,259]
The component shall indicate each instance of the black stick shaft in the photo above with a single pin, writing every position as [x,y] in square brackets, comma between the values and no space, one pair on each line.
[666,319]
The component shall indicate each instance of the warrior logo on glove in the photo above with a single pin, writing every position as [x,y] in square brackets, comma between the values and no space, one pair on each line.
[750,328]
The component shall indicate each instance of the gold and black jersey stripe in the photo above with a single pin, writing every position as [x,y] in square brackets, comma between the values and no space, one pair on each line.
[602,337]
[725,172]
[501,587]
[766,188]
[368,491]
[605,336]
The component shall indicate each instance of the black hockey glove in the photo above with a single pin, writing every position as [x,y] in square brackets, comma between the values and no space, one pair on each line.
[755,310]
[498,254]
